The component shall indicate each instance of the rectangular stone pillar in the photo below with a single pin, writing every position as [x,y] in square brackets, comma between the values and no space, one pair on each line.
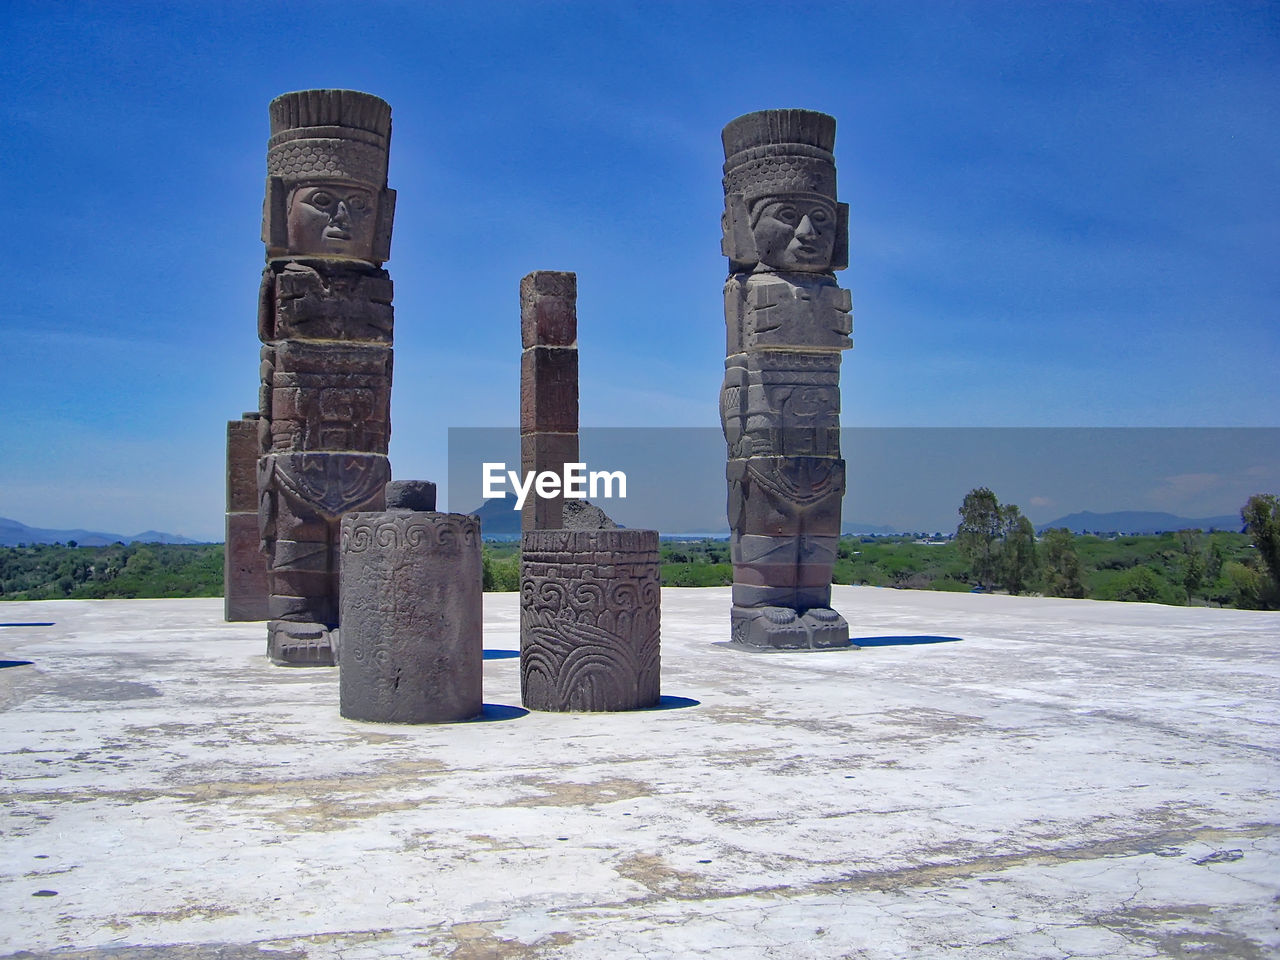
[244,569]
[548,386]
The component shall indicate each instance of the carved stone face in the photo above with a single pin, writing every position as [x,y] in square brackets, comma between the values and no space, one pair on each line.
[794,232]
[335,219]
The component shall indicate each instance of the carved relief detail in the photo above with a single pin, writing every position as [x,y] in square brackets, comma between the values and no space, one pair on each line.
[590,610]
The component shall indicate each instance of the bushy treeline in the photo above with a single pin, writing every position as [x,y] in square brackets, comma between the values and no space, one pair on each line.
[119,571]
[998,549]
[1176,568]
[1221,568]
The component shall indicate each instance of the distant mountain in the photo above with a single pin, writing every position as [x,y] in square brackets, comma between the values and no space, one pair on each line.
[497,519]
[13,533]
[1138,522]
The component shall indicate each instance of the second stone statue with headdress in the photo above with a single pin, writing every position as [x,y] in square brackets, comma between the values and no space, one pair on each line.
[325,320]
[787,322]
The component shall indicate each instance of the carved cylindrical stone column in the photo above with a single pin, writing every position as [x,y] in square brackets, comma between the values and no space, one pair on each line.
[412,647]
[787,322]
[244,569]
[590,610]
[325,320]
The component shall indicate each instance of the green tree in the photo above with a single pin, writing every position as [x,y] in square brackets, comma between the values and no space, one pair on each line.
[1194,562]
[978,534]
[1062,564]
[1019,562]
[1246,584]
[1261,516]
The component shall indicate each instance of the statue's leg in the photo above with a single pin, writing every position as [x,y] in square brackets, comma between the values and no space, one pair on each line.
[303,577]
[764,592]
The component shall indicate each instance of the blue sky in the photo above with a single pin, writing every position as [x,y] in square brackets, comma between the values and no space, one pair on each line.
[1062,214]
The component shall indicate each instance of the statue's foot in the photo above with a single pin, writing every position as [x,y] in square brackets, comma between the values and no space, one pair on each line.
[827,629]
[291,643]
[771,628]
[781,628]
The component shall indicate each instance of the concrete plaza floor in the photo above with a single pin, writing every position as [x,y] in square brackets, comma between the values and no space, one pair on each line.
[988,777]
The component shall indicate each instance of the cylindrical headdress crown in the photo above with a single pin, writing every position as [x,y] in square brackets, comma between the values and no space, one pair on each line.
[329,135]
[780,151]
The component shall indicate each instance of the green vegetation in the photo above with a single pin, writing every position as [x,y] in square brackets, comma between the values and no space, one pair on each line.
[994,548]
[501,566]
[57,571]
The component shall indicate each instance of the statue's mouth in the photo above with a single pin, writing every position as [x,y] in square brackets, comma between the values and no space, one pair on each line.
[336,233]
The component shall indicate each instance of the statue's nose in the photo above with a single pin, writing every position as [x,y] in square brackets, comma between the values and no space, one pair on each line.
[341,216]
[805,227]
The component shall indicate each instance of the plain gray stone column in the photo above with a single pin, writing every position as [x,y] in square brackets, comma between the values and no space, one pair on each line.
[412,644]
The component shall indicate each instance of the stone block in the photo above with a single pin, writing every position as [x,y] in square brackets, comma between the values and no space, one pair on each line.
[794,311]
[540,452]
[412,621]
[242,465]
[411,495]
[549,390]
[331,300]
[590,612]
[548,309]
[244,570]
[786,496]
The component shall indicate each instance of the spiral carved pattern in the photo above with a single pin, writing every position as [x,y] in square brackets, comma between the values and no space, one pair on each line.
[365,531]
[590,613]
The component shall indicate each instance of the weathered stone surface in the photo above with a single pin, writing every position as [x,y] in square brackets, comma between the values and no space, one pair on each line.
[327,192]
[244,570]
[549,309]
[411,495]
[412,646]
[242,464]
[585,515]
[590,611]
[548,387]
[545,451]
[549,390]
[312,299]
[786,322]
[326,321]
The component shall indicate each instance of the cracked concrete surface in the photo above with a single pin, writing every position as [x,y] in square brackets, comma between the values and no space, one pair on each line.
[1058,779]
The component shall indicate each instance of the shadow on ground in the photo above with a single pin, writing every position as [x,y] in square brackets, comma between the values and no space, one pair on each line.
[900,641]
[673,703]
[498,711]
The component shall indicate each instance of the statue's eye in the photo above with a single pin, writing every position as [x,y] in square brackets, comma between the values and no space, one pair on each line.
[787,215]
[321,199]
[357,202]
[819,216]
